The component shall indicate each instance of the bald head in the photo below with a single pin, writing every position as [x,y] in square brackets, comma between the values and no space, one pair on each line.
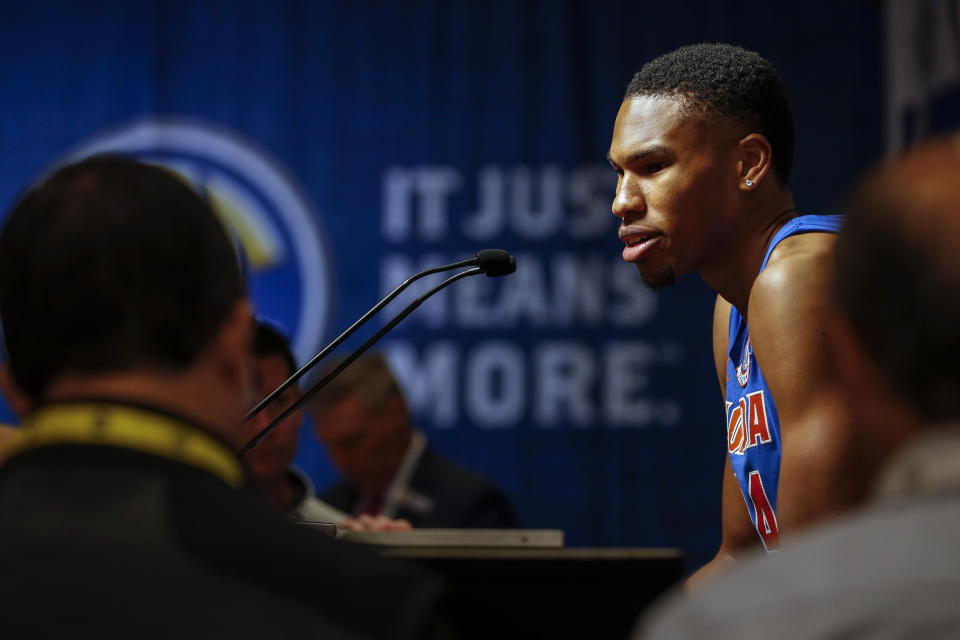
[898,276]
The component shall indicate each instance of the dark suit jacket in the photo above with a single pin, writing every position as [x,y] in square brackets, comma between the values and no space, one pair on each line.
[455,497]
[98,540]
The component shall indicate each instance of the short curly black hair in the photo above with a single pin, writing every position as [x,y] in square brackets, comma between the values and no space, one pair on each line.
[725,80]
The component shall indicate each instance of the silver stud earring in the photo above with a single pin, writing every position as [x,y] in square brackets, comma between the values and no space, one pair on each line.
[748,182]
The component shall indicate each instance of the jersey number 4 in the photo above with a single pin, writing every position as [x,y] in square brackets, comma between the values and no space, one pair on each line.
[766,519]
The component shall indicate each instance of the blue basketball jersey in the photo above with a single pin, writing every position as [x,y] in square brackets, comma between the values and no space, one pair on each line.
[753,427]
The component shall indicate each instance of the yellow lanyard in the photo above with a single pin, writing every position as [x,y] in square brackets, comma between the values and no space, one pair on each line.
[130,428]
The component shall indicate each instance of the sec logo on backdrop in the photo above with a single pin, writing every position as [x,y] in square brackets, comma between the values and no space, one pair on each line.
[270,217]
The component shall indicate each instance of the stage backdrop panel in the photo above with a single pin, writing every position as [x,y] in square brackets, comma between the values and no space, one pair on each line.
[350,144]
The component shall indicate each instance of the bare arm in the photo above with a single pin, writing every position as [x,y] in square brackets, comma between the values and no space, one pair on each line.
[738,533]
[789,321]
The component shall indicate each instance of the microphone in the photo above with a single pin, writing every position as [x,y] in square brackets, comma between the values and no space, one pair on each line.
[496,262]
[492,262]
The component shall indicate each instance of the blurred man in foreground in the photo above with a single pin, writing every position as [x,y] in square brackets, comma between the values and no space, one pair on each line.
[128,335]
[891,570]
[271,461]
[389,469]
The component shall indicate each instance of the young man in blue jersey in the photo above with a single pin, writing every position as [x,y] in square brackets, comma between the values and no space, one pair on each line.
[890,568]
[702,145]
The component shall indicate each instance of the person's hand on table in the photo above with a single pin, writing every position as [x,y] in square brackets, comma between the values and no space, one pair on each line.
[374,523]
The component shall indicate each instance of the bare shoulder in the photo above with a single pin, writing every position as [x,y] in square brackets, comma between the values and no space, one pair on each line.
[790,317]
[796,279]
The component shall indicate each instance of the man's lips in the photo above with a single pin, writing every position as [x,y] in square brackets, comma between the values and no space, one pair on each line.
[639,243]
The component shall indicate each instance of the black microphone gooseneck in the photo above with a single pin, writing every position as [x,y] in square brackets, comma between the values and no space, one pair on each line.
[484,259]
[493,262]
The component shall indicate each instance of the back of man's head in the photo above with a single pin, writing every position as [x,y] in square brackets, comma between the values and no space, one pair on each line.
[724,81]
[898,277]
[111,265]
[369,377]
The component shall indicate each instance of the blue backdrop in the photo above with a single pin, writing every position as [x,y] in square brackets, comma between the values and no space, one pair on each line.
[349,144]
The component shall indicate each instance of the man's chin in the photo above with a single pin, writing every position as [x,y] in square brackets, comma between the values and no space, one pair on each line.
[659,279]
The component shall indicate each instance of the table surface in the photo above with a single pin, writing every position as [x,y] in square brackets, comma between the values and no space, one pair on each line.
[486,538]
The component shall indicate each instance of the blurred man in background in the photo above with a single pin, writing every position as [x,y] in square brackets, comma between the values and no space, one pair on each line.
[271,462]
[128,336]
[389,468]
[703,146]
[893,569]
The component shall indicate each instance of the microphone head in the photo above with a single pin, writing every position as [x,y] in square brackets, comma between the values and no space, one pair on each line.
[496,262]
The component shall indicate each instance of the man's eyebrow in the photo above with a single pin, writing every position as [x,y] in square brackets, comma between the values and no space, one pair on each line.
[645,152]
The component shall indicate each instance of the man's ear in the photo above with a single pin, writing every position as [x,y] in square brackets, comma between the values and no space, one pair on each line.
[856,373]
[233,348]
[17,398]
[882,420]
[756,160]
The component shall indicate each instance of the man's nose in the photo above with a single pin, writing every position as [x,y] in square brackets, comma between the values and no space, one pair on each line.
[628,197]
